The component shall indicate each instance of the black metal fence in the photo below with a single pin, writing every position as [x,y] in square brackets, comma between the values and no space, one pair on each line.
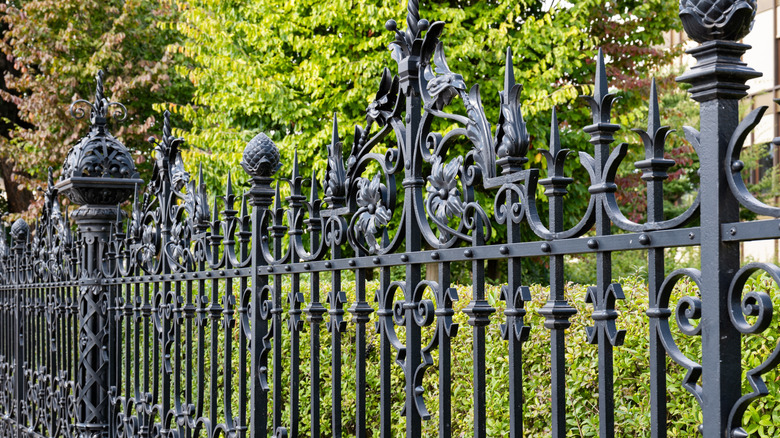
[189,318]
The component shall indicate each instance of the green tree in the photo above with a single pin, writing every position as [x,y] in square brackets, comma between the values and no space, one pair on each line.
[286,67]
[55,49]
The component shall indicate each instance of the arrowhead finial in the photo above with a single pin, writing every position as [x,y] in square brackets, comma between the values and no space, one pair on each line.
[277,198]
[509,72]
[601,87]
[314,195]
[653,116]
[335,134]
[555,134]
[229,186]
[295,171]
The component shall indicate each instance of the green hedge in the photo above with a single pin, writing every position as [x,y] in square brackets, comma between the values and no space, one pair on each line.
[632,374]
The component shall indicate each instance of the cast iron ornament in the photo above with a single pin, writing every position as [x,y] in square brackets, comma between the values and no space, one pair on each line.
[261,157]
[98,157]
[707,20]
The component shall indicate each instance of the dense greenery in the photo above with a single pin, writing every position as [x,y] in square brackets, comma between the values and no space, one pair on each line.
[632,375]
[286,67]
[55,48]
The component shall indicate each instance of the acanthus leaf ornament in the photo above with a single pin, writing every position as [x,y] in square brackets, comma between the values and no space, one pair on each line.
[512,138]
[381,108]
[445,85]
[335,184]
[169,164]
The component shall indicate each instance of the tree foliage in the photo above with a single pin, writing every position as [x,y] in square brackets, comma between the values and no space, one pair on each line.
[57,47]
[285,67]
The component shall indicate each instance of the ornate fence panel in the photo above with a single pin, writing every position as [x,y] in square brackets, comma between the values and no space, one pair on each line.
[191,317]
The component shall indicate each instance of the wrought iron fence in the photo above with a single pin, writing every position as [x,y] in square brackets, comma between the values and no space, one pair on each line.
[189,318]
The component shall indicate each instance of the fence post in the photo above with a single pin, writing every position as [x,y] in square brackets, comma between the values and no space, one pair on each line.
[260,161]
[98,174]
[718,83]
[20,233]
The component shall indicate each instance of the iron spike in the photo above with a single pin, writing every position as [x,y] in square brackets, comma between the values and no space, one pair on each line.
[654,116]
[314,195]
[277,198]
[295,171]
[555,134]
[200,173]
[601,88]
[215,214]
[509,72]
[335,135]
[229,188]
[244,209]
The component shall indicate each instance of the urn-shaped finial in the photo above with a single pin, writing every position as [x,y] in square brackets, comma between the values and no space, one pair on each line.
[99,169]
[707,20]
[19,232]
[261,157]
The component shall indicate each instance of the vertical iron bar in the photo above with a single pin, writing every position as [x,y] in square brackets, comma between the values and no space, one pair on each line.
[385,360]
[557,310]
[446,332]
[360,311]
[260,195]
[19,231]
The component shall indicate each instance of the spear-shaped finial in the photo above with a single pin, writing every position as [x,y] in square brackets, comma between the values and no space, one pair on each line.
[229,186]
[295,170]
[555,133]
[314,194]
[277,198]
[555,183]
[334,138]
[244,208]
[601,88]
[200,173]
[653,116]
[509,72]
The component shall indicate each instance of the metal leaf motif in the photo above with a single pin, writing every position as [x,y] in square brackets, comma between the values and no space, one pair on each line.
[372,215]
[443,190]
[445,85]
[512,139]
[479,132]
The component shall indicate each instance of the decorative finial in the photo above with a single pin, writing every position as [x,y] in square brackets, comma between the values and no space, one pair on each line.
[335,176]
[99,108]
[412,16]
[653,114]
[708,20]
[602,99]
[314,194]
[277,198]
[295,171]
[261,157]
[601,87]
[509,72]
[20,231]
[99,169]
